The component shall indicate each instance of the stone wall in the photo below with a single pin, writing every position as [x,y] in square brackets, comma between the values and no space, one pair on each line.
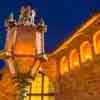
[82,84]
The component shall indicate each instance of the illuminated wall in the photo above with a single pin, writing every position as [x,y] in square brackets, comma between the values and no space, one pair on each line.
[81,47]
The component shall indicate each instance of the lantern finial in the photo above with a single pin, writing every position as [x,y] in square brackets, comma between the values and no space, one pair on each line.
[41,26]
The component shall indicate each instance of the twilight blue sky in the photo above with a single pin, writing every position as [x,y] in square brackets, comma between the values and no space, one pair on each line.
[61,16]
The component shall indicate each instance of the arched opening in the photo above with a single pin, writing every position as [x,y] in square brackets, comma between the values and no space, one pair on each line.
[41,88]
[85,51]
[96,42]
[74,59]
[63,65]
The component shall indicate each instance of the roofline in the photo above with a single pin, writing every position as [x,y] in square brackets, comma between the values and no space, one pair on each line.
[90,20]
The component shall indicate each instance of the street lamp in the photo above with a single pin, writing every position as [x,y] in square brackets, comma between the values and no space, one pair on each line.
[24,48]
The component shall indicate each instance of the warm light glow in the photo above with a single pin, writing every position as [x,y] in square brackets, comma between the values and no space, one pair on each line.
[9,42]
[19,52]
[26,49]
[76,63]
[35,68]
[74,59]
[50,68]
[46,88]
[36,85]
[85,51]
[96,42]
[65,69]
[36,98]
[37,88]
[63,65]
[24,63]
[88,57]
[11,66]
[21,41]
[27,98]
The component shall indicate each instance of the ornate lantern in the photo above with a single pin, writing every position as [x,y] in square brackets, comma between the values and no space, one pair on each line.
[24,48]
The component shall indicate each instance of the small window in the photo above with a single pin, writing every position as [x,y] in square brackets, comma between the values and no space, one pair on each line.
[64,65]
[85,51]
[74,59]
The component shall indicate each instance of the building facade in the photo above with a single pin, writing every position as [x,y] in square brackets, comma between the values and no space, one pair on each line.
[74,65]
[71,71]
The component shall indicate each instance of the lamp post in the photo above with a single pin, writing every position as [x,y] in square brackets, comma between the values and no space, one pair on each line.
[24,50]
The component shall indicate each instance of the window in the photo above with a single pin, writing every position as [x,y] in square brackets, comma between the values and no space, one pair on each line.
[74,59]
[85,51]
[64,65]
[41,89]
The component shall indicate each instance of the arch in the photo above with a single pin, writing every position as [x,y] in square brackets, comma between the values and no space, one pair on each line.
[96,42]
[63,65]
[74,59]
[85,51]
